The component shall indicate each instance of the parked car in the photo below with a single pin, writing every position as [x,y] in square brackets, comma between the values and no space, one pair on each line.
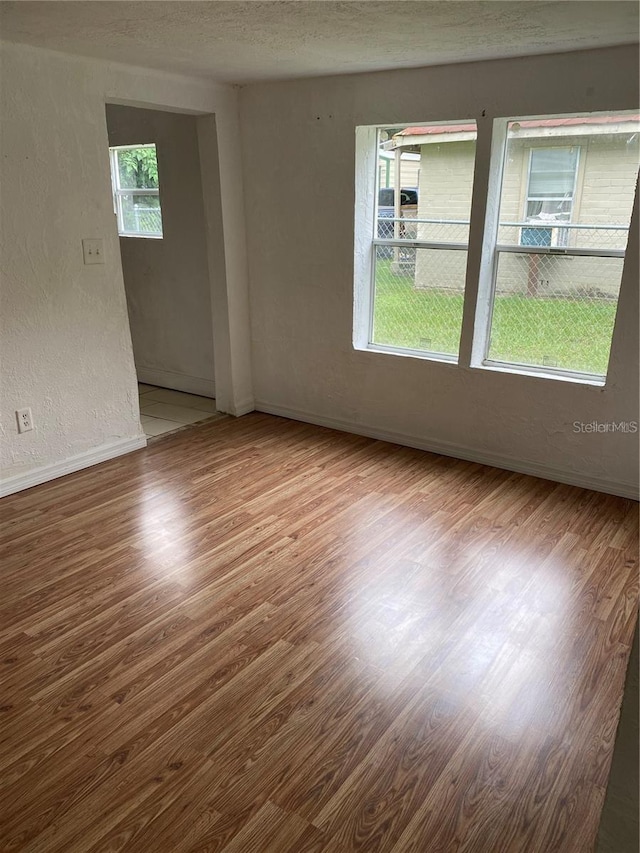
[408,205]
[408,200]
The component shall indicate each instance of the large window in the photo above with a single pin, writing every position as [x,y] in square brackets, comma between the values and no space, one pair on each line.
[558,210]
[136,193]
[420,235]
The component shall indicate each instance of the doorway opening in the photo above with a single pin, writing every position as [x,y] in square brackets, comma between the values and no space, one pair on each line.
[159,207]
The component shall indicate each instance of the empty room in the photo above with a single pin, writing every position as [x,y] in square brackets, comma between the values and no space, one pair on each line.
[319,404]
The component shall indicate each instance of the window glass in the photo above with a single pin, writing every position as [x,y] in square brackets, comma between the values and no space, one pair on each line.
[567,194]
[419,288]
[137,167]
[136,194]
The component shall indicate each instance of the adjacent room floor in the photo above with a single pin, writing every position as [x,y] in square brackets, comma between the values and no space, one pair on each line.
[163,410]
[261,636]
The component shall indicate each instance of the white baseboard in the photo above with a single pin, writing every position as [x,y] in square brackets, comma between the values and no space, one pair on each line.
[43,474]
[177,381]
[495,460]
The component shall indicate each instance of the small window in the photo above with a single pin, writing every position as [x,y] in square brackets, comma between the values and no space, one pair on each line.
[136,193]
[550,191]
[420,209]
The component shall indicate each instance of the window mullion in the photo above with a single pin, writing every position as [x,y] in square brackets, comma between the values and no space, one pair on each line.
[483,232]
[420,244]
[364,222]
[560,251]
[136,191]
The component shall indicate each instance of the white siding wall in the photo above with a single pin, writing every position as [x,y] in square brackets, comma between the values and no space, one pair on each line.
[409,172]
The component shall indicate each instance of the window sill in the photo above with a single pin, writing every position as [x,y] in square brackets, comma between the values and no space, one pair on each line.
[143,236]
[542,373]
[441,357]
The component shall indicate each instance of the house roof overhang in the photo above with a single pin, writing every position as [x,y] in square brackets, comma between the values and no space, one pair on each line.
[526,128]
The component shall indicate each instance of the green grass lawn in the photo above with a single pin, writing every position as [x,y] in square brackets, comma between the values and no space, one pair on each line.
[567,333]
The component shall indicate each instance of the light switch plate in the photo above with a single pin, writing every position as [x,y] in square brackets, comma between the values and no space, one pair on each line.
[93,251]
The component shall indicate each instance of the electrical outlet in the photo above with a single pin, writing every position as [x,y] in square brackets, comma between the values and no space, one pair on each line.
[93,251]
[25,420]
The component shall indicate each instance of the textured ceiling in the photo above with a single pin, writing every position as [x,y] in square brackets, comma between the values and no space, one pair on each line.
[241,42]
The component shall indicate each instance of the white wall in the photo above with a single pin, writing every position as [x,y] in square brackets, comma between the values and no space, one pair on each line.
[65,342]
[167,281]
[298,144]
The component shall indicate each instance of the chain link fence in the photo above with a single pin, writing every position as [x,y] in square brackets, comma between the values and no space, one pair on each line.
[555,311]
[141,215]
[427,316]
[550,310]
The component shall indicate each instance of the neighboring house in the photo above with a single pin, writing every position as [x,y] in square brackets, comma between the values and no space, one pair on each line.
[560,172]
[409,169]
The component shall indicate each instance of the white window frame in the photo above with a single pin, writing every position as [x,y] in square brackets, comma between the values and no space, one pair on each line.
[367,155]
[119,191]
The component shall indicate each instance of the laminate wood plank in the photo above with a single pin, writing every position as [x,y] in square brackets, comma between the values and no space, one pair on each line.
[218,681]
[371,807]
[94,582]
[147,656]
[270,829]
[20,721]
[74,648]
[39,803]
[41,748]
[307,788]
[621,622]
[626,535]
[121,785]
[299,731]
[262,635]
[224,830]
[118,664]
[127,825]
[181,828]
[298,713]
[231,757]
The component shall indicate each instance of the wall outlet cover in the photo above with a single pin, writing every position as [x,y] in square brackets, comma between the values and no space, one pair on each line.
[25,420]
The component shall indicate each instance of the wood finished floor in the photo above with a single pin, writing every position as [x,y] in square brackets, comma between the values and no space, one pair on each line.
[260,636]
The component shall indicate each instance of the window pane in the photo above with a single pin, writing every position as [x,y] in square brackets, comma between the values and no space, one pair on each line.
[418,298]
[418,294]
[433,166]
[140,214]
[553,172]
[555,311]
[569,183]
[582,172]
[137,168]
